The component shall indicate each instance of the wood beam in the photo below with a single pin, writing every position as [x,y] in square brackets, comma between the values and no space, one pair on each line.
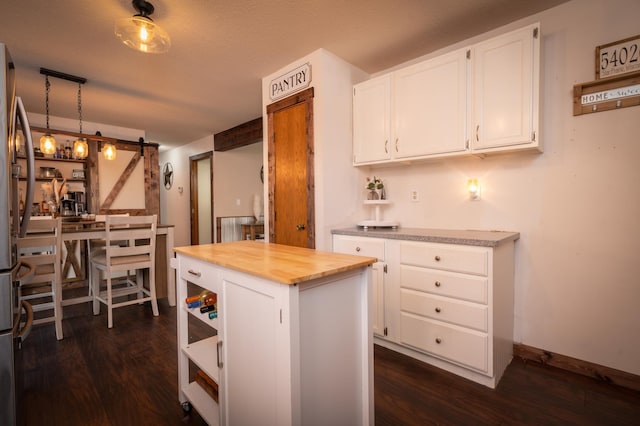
[236,137]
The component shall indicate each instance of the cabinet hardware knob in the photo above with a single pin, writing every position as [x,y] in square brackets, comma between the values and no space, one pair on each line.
[437,258]
[438,310]
[358,249]
[438,284]
[300,227]
[192,272]
[438,340]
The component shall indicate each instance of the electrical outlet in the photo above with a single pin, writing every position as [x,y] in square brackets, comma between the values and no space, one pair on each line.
[415,196]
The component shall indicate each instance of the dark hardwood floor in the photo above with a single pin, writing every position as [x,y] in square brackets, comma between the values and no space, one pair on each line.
[128,375]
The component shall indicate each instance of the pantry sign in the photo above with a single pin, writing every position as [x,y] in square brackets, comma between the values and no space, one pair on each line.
[294,80]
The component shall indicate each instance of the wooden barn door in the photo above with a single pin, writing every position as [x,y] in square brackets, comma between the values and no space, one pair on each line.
[117,185]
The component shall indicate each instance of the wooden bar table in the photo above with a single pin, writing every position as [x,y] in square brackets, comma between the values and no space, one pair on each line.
[74,232]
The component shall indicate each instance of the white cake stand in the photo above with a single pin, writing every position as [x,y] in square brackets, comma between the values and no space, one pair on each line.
[377,220]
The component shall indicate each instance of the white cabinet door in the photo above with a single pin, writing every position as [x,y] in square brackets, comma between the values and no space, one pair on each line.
[375,247]
[506,91]
[431,107]
[377,281]
[249,319]
[372,120]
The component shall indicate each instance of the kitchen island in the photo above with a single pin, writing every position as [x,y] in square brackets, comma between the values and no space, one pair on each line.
[292,341]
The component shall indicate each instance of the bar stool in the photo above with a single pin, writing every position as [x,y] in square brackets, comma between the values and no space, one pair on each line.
[114,260]
[42,248]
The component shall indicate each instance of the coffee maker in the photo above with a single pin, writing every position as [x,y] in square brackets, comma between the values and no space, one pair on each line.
[73,204]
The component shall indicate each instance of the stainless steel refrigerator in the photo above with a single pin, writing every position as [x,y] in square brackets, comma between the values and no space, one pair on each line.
[13,120]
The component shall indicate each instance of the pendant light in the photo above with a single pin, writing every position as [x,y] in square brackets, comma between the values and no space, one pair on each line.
[47,142]
[80,146]
[140,32]
[109,151]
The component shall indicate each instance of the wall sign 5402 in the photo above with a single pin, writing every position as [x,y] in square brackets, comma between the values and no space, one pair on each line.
[618,58]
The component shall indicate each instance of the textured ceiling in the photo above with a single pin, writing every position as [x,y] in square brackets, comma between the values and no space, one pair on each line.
[210,80]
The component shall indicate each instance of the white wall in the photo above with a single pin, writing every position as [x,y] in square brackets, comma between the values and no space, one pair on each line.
[336,201]
[236,175]
[577,205]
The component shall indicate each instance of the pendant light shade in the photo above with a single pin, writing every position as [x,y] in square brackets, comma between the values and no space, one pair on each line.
[80,146]
[47,142]
[140,32]
[109,151]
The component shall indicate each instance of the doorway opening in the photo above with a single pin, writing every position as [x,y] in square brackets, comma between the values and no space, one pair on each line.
[201,198]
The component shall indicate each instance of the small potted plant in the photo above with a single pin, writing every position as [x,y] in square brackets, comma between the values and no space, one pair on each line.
[375,188]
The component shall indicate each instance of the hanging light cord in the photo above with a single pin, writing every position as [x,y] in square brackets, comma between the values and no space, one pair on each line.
[80,106]
[47,86]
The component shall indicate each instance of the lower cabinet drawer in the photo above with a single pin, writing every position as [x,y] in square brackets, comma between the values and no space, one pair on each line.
[447,257]
[465,347]
[362,246]
[197,272]
[461,313]
[442,283]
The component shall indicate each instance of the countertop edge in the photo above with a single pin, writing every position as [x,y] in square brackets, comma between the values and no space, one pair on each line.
[310,264]
[446,236]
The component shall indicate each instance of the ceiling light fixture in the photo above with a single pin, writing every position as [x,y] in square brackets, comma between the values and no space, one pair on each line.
[140,32]
[47,142]
[80,145]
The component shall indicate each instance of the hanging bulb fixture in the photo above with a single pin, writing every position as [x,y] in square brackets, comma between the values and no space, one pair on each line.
[140,32]
[80,146]
[109,151]
[47,142]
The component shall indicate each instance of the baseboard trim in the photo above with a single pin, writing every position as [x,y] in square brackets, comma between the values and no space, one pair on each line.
[585,368]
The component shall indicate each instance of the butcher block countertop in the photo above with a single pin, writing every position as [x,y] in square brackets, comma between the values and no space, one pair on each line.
[275,262]
[448,236]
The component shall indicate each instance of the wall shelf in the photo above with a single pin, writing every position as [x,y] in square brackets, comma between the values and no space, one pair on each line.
[377,221]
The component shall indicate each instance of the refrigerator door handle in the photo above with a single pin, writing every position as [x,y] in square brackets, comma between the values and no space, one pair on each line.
[21,333]
[31,173]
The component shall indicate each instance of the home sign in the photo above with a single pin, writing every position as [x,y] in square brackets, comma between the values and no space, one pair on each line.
[294,80]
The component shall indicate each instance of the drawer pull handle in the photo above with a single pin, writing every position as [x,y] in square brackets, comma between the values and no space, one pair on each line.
[218,350]
[438,340]
[438,283]
[437,258]
[438,310]
[358,249]
[192,272]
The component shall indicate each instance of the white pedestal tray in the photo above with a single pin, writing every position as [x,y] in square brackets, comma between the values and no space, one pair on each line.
[377,220]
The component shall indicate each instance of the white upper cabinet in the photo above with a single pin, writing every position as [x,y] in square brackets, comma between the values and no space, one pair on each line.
[372,120]
[431,107]
[480,99]
[506,81]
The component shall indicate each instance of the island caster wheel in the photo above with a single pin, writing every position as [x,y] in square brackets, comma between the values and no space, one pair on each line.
[186,407]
